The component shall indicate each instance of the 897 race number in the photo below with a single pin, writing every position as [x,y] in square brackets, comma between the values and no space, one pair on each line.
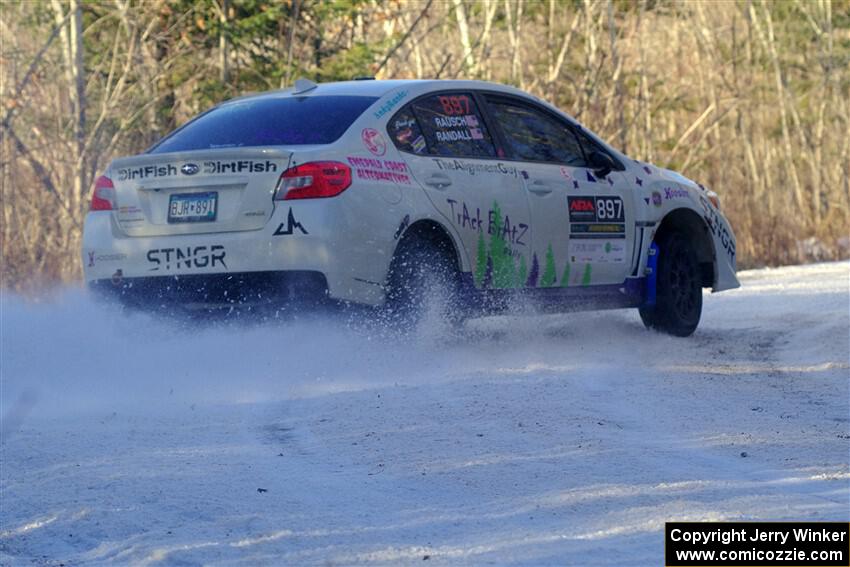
[596,209]
[609,209]
[455,105]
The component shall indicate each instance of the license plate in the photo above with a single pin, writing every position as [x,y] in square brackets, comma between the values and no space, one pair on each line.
[192,207]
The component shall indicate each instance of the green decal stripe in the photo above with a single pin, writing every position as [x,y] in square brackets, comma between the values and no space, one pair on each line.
[565,277]
[585,279]
[507,272]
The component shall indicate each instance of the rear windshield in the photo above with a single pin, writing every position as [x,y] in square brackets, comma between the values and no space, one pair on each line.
[290,121]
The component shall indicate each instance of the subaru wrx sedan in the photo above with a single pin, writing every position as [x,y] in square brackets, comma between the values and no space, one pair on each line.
[375,192]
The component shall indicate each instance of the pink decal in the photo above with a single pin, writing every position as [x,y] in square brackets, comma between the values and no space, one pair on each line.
[374,141]
[380,170]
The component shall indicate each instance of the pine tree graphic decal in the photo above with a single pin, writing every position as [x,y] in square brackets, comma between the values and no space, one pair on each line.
[585,279]
[565,277]
[504,270]
[522,275]
[481,260]
[549,274]
[535,272]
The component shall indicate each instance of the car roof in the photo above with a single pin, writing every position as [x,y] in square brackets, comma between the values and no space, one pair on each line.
[379,88]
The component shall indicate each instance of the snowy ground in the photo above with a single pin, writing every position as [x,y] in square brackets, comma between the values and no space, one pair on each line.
[537,440]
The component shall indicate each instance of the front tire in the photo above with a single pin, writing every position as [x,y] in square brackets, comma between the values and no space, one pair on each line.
[678,304]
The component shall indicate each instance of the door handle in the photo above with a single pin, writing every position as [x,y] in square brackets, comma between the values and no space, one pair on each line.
[540,187]
[438,181]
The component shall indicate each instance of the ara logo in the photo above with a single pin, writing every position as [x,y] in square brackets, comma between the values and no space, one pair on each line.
[190,169]
[582,204]
[582,209]
[287,228]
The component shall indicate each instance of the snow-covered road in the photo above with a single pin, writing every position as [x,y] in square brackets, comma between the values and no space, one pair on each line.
[565,439]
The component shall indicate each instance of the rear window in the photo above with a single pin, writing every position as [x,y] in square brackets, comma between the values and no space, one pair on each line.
[290,121]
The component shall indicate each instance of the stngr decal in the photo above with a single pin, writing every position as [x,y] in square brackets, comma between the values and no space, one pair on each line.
[186,257]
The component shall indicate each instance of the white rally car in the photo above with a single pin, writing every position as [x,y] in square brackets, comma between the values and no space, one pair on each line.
[371,191]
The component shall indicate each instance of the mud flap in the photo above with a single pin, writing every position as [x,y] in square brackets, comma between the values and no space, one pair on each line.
[651,276]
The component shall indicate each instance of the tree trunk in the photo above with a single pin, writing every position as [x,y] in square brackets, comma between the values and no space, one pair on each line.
[468,62]
[79,89]
[223,43]
[770,45]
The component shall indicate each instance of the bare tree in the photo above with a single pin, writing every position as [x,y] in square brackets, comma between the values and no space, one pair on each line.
[750,97]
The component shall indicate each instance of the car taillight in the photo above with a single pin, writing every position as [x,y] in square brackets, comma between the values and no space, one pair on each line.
[313,180]
[103,196]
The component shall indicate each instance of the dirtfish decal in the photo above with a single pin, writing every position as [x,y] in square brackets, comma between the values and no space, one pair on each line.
[143,172]
[209,167]
[239,166]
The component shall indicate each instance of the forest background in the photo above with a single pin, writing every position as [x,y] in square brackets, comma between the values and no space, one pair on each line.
[749,97]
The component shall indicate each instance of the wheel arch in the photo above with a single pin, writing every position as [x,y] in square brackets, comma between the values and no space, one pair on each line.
[431,231]
[694,227]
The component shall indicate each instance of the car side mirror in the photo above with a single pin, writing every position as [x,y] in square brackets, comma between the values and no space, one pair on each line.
[601,163]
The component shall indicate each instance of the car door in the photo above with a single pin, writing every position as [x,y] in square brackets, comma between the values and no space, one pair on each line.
[451,153]
[605,241]
[579,221]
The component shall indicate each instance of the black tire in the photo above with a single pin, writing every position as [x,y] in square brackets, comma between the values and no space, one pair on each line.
[423,276]
[678,300]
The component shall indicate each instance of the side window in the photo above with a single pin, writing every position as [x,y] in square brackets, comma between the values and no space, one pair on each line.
[452,125]
[405,132]
[534,135]
[589,146]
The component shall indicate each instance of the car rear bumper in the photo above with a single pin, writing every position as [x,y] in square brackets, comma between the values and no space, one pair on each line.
[215,291]
[278,248]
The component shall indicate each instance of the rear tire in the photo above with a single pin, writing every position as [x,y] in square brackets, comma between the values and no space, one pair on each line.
[424,281]
[678,303]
